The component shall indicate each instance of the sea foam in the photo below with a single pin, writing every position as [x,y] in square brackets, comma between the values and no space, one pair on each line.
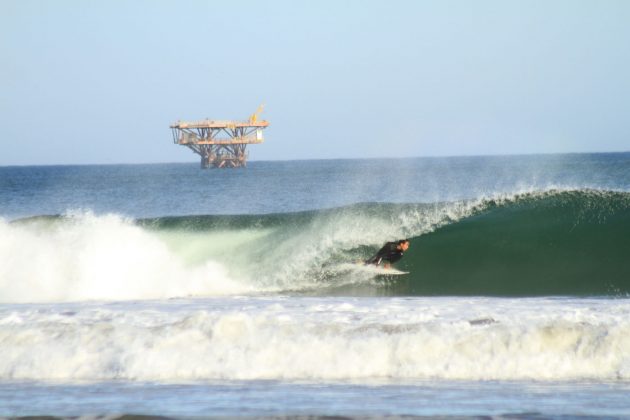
[89,257]
[276,338]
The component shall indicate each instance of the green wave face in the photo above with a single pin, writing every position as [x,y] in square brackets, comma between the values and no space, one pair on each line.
[573,242]
[565,243]
[544,243]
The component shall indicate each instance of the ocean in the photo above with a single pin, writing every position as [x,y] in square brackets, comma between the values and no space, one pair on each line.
[167,290]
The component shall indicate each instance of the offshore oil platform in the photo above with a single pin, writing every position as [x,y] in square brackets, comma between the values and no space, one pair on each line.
[221,144]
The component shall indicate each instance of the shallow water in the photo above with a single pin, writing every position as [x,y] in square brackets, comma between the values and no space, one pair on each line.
[273,398]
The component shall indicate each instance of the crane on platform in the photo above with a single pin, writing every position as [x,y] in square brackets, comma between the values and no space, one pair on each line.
[254,117]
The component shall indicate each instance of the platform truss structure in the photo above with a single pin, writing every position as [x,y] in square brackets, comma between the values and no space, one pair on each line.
[221,144]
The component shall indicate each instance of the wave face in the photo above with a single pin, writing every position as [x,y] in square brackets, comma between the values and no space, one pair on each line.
[572,242]
[555,243]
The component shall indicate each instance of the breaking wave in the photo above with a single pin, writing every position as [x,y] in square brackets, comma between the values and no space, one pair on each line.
[313,338]
[554,242]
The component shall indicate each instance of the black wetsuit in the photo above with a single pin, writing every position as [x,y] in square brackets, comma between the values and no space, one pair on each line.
[389,253]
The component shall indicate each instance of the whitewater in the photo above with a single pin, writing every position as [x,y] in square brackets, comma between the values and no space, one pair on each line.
[132,292]
[279,338]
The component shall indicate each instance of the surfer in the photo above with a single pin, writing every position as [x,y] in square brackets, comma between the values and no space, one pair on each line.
[390,253]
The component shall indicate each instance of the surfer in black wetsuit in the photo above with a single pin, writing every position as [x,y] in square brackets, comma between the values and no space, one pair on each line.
[390,253]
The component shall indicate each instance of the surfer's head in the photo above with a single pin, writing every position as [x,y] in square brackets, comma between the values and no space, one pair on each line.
[403,244]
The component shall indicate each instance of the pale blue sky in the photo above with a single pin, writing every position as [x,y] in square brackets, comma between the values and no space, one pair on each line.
[100,81]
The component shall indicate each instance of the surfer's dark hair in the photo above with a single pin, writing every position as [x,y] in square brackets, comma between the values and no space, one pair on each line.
[402,241]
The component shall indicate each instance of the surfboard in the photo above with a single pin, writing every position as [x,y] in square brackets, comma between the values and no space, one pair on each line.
[381,271]
[372,269]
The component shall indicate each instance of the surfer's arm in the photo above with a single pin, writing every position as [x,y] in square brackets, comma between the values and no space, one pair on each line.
[386,249]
